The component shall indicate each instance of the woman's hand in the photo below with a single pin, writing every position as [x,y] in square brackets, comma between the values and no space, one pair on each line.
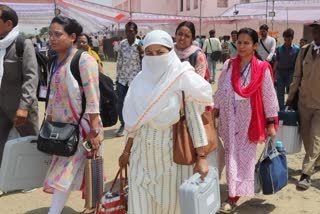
[201,167]
[271,131]
[124,159]
[94,140]
[125,156]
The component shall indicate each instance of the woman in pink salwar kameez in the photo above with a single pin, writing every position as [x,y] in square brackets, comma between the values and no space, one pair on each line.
[247,107]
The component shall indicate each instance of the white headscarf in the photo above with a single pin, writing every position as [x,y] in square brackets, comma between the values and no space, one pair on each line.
[4,43]
[154,95]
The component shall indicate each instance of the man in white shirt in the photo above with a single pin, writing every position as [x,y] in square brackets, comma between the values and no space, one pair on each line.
[232,47]
[95,44]
[212,46]
[267,45]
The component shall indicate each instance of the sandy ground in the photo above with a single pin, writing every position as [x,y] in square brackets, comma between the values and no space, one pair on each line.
[287,201]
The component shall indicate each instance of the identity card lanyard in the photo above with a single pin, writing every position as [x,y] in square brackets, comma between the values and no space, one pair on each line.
[57,66]
[55,69]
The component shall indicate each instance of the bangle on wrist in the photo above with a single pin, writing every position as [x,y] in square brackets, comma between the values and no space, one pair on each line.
[95,131]
[126,153]
[201,156]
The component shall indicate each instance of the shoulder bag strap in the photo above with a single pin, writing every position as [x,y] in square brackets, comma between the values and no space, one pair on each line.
[193,58]
[233,46]
[74,67]
[210,45]
[264,47]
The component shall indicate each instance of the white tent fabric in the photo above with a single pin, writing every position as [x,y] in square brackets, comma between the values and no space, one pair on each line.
[95,17]
[294,11]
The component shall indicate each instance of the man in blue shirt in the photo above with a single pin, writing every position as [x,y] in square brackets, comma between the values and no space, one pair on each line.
[286,55]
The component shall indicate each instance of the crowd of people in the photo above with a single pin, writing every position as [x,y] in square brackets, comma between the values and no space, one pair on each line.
[151,75]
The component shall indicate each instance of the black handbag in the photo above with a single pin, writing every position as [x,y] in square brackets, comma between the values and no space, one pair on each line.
[57,138]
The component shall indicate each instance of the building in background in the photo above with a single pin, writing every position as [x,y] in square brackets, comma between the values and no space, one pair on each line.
[228,13]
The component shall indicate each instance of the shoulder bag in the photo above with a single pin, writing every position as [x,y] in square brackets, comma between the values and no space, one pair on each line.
[184,152]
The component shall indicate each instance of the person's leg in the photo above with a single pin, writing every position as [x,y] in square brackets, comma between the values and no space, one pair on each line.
[305,127]
[214,68]
[314,146]
[280,88]
[210,65]
[5,127]
[59,200]
[121,92]
[105,53]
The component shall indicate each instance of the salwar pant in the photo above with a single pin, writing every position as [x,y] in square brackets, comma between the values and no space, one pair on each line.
[310,130]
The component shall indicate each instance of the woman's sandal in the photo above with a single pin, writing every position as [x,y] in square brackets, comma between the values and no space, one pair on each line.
[88,211]
[228,207]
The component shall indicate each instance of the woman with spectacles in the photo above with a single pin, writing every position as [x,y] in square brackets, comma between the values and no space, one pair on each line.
[65,105]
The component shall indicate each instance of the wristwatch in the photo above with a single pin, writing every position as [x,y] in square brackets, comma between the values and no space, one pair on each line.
[96,131]
[271,122]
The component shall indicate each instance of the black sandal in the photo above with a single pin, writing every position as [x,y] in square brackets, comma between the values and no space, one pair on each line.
[228,206]
[88,211]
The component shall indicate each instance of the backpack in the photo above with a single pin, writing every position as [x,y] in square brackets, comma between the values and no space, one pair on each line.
[193,60]
[42,61]
[108,96]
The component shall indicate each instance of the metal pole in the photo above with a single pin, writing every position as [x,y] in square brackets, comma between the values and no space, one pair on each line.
[130,10]
[287,18]
[200,17]
[272,15]
[55,7]
[266,12]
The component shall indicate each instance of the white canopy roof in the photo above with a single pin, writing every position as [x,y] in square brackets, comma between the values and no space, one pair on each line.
[297,11]
[95,17]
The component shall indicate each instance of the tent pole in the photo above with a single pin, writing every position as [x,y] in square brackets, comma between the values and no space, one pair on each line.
[55,7]
[266,12]
[200,17]
[130,10]
[287,18]
[272,15]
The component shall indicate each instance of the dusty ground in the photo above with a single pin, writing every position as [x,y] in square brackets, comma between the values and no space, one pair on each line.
[287,201]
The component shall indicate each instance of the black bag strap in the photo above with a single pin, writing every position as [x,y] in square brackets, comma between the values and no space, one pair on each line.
[74,67]
[233,46]
[264,47]
[20,46]
[193,58]
[210,44]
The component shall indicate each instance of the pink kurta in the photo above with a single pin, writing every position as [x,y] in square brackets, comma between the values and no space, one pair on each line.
[234,121]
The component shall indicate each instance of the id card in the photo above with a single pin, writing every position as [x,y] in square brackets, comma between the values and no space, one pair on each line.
[43,91]
[238,97]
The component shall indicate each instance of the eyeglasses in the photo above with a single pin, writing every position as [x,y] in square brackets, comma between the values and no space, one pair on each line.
[55,34]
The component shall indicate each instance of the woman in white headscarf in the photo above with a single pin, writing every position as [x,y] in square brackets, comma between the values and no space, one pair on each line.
[150,109]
